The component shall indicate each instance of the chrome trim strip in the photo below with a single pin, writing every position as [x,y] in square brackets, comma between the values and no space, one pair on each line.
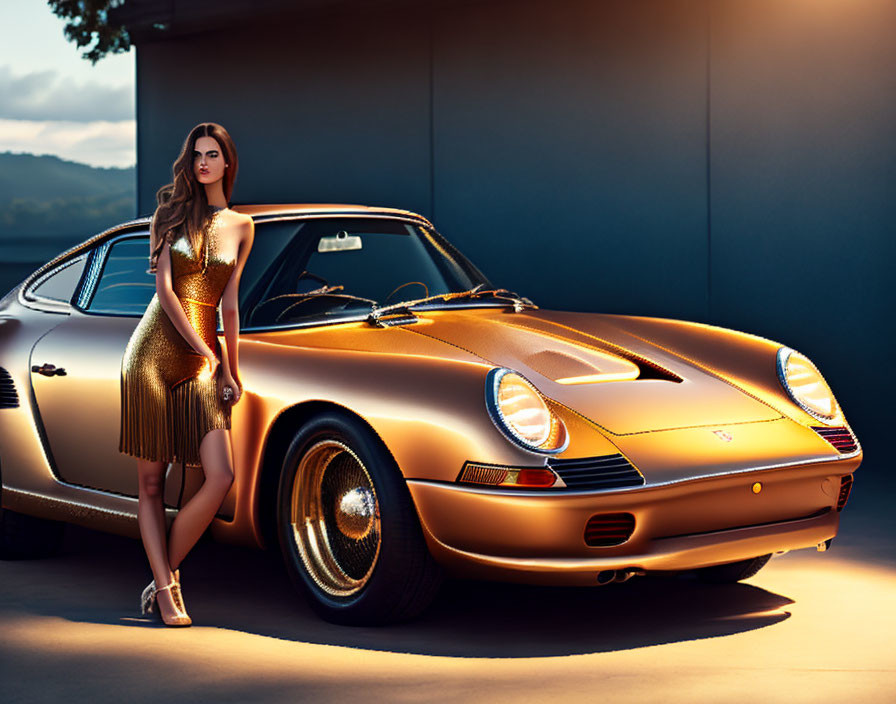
[416,219]
[73,510]
[47,306]
[92,275]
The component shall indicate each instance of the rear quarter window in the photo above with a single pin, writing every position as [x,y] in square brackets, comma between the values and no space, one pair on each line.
[58,284]
[125,285]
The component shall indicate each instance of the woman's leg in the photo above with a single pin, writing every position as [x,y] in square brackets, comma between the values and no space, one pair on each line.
[216,456]
[151,518]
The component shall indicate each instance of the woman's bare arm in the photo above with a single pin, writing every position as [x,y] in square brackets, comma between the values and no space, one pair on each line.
[230,313]
[225,359]
[172,306]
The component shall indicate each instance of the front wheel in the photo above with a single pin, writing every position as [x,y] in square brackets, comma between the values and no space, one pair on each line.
[348,529]
[733,571]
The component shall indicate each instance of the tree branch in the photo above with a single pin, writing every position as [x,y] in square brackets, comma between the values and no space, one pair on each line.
[87,22]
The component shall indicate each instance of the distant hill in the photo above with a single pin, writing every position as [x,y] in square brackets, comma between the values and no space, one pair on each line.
[48,205]
[45,178]
[45,201]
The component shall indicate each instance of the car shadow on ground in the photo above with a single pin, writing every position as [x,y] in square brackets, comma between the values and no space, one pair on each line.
[99,579]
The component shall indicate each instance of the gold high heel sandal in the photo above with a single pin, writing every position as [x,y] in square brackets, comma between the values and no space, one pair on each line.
[180,617]
[148,597]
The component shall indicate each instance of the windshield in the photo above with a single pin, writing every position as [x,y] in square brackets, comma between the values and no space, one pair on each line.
[332,268]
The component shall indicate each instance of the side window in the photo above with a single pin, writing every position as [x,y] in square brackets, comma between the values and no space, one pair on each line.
[59,283]
[125,287]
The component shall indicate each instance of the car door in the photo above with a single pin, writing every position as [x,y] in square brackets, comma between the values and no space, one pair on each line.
[76,370]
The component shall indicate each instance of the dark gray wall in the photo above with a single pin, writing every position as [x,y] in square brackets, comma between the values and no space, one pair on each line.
[334,112]
[728,162]
[803,189]
[570,150]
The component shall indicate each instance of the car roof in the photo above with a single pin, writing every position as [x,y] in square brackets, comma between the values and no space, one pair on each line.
[269,210]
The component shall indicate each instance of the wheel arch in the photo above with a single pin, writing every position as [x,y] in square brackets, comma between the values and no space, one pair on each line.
[279,437]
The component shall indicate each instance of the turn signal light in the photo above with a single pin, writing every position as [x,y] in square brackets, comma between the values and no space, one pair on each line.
[492,475]
[536,477]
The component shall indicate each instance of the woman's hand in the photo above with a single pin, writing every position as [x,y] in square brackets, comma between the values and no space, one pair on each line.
[212,360]
[226,379]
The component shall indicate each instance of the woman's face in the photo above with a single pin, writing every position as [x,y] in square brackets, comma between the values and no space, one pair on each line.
[208,160]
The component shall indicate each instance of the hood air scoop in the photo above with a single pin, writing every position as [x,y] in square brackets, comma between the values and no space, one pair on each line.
[565,368]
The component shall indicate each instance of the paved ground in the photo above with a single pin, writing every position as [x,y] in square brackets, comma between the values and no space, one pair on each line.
[808,628]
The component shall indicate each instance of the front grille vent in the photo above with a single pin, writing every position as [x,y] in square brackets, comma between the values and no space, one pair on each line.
[605,472]
[840,437]
[606,530]
[845,487]
[8,396]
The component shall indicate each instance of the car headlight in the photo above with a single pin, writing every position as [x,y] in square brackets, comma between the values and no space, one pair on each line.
[807,386]
[520,411]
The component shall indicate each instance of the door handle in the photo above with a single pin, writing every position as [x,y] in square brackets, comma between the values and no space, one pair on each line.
[48,370]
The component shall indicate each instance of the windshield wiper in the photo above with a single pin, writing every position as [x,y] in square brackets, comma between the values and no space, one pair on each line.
[289,301]
[331,292]
[502,294]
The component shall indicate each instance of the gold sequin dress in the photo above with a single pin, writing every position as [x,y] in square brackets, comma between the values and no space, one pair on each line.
[169,401]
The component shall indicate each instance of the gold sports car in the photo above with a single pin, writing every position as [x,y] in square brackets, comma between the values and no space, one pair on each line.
[403,418]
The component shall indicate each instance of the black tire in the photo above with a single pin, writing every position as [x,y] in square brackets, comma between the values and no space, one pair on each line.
[23,537]
[363,559]
[733,571]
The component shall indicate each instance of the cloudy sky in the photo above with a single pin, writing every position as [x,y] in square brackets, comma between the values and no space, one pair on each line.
[54,102]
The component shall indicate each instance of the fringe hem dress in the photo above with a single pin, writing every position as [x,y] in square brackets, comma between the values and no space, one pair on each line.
[169,400]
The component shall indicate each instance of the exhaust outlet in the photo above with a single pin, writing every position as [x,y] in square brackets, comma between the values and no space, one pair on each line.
[605,577]
[624,575]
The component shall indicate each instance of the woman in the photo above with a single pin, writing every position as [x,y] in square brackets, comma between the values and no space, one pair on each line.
[176,392]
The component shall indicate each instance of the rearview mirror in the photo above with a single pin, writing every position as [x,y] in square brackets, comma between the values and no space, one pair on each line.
[339,242]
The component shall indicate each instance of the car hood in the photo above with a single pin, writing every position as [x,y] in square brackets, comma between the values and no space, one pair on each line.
[590,364]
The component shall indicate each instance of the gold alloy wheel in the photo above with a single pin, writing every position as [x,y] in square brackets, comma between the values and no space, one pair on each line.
[335,518]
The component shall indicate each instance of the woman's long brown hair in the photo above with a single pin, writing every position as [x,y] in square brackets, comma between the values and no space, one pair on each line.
[182,205]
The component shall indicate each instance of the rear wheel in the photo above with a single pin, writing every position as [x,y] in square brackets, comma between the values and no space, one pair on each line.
[24,536]
[733,571]
[348,529]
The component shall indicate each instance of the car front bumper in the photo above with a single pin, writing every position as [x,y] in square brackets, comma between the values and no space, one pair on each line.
[539,537]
